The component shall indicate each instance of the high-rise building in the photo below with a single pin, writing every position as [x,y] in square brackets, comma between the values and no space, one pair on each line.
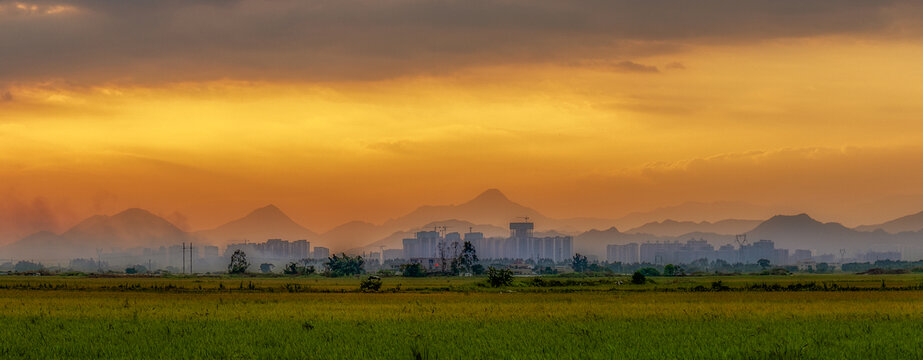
[625,254]
[321,253]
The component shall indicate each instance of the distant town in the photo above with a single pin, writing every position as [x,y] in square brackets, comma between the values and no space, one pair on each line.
[521,251]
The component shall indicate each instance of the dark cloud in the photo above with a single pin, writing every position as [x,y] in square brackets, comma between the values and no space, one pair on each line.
[174,40]
[630,66]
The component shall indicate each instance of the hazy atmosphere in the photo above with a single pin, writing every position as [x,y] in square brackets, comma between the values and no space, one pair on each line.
[461,179]
[364,110]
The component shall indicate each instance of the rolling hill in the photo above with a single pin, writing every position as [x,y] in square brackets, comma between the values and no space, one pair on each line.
[128,229]
[677,228]
[268,222]
[903,224]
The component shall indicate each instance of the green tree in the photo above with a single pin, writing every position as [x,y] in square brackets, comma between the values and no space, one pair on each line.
[477,269]
[649,271]
[344,265]
[294,268]
[412,270]
[669,270]
[239,263]
[764,263]
[499,277]
[579,263]
[468,257]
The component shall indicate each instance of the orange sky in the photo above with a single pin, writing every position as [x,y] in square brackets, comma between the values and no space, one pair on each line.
[337,112]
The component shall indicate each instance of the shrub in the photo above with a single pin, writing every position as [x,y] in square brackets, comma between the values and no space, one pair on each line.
[293,268]
[477,269]
[371,284]
[649,271]
[638,278]
[412,270]
[499,277]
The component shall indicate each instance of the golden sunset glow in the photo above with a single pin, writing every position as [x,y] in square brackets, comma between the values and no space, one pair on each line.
[826,121]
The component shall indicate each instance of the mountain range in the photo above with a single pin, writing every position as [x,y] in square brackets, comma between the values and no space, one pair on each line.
[903,224]
[489,212]
[676,228]
[131,228]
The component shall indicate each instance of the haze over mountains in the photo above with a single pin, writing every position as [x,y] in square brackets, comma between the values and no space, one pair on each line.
[490,212]
[903,224]
[131,228]
[676,228]
[268,222]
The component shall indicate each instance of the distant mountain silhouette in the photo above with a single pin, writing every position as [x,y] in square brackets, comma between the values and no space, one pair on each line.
[595,241]
[268,222]
[128,229]
[803,232]
[676,228]
[490,207]
[354,234]
[903,224]
[699,211]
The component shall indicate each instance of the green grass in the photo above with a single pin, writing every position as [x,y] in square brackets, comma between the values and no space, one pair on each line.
[94,318]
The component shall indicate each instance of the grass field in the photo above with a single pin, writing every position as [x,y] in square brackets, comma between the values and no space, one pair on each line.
[314,317]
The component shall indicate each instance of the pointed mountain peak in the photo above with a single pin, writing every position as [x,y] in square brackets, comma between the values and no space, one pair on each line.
[263,223]
[268,210]
[134,212]
[799,219]
[490,196]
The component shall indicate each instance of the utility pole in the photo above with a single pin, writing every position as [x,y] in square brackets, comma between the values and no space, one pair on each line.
[191,255]
[184,258]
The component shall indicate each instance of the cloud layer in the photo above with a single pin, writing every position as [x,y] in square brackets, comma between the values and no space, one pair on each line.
[150,41]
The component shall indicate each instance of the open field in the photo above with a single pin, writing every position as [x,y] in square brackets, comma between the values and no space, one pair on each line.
[66,317]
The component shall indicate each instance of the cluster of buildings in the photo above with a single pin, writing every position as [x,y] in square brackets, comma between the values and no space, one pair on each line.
[661,253]
[428,246]
[189,257]
[692,250]
[275,250]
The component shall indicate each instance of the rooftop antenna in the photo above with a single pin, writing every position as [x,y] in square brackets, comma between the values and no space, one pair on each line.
[442,230]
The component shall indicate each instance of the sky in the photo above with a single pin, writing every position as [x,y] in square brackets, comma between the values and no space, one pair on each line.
[201,111]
